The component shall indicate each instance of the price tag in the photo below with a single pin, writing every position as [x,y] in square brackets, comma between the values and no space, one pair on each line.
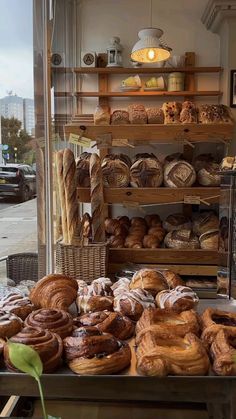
[193,200]
[80,140]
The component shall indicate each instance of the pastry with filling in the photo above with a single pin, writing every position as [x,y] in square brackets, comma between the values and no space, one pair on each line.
[179,299]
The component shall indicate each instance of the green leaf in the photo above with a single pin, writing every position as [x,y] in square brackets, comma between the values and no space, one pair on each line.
[25,359]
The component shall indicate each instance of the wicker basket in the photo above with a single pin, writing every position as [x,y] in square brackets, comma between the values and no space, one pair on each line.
[86,263]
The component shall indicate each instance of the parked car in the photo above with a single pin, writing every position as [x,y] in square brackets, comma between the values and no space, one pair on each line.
[17,180]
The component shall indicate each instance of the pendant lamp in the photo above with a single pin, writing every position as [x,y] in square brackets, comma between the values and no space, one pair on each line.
[149,48]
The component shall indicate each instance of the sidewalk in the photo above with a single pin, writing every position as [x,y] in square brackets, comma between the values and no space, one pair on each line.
[18,230]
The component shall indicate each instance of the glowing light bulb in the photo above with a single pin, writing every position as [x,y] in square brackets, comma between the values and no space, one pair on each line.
[151,54]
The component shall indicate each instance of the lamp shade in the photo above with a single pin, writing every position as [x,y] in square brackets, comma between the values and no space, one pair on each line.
[149,48]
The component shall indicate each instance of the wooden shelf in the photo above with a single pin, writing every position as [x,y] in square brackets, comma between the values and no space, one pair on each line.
[145,70]
[145,134]
[152,195]
[166,256]
[187,270]
[142,93]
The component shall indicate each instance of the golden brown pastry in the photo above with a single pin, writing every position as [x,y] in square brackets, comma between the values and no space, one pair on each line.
[181,239]
[179,174]
[95,297]
[146,173]
[152,220]
[57,321]
[179,299]
[116,242]
[209,176]
[155,116]
[90,352]
[132,303]
[223,352]
[138,221]
[189,113]
[137,114]
[171,112]
[205,221]
[134,241]
[151,242]
[172,279]
[138,230]
[168,322]
[149,280]
[48,345]
[54,291]
[158,232]
[10,324]
[82,170]
[17,304]
[114,227]
[115,171]
[120,286]
[160,355]
[124,221]
[108,322]
[209,240]
[177,222]
[214,320]
[120,117]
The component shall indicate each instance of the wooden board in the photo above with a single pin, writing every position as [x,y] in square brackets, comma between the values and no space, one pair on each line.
[153,195]
[164,256]
[143,134]
[189,270]
[141,70]
[141,93]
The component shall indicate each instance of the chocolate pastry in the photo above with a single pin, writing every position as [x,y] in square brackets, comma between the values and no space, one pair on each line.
[57,321]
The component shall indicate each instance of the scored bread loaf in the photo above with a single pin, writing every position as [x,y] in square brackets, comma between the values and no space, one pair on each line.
[209,240]
[179,174]
[189,113]
[177,222]
[171,112]
[137,114]
[204,222]
[97,199]
[209,175]
[120,117]
[115,171]
[181,239]
[146,172]
[62,194]
[155,116]
[72,207]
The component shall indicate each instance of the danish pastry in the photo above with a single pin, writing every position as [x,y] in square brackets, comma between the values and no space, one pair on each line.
[120,286]
[179,299]
[48,345]
[149,280]
[223,352]
[96,296]
[16,303]
[214,320]
[57,321]
[91,352]
[132,303]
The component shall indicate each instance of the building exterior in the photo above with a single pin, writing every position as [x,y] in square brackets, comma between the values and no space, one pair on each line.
[20,108]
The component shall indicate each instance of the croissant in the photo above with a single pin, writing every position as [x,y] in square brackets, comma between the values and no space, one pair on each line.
[57,321]
[108,322]
[91,352]
[181,298]
[16,303]
[10,324]
[152,220]
[54,291]
[223,352]
[151,242]
[167,321]
[148,279]
[158,232]
[213,321]
[117,242]
[133,242]
[113,226]
[138,221]
[48,345]
[163,355]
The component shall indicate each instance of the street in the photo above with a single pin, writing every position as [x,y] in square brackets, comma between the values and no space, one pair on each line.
[18,228]
[6,202]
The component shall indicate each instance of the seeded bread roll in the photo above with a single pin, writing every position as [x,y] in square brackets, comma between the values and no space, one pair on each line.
[155,116]
[146,172]
[171,112]
[181,239]
[189,113]
[120,118]
[137,114]
[97,199]
[179,174]
[209,175]
[177,222]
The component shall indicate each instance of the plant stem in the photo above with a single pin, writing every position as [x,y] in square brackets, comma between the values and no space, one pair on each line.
[42,398]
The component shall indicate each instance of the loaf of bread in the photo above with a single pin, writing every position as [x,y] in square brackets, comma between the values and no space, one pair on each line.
[97,199]
[71,202]
[189,113]
[209,175]
[205,221]
[102,115]
[206,114]
[177,222]
[137,114]
[82,170]
[115,171]
[228,163]
[181,239]
[155,116]
[146,172]
[209,240]
[62,195]
[214,114]
[120,117]
[171,112]
[173,157]
[179,174]
[202,160]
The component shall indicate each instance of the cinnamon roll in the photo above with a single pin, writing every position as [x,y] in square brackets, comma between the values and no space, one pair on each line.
[108,322]
[179,299]
[214,320]
[88,351]
[149,280]
[48,345]
[16,303]
[10,324]
[57,321]
[132,303]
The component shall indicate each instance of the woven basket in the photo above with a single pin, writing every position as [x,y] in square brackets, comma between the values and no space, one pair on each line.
[86,263]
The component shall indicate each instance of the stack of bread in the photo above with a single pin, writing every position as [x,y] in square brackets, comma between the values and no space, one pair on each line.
[169,113]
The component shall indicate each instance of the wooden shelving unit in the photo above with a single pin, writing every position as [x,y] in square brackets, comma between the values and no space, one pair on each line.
[135,70]
[142,93]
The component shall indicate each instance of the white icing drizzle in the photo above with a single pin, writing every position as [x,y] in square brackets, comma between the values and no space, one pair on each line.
[171,296]
[100,286]
[120,286]
[137,295]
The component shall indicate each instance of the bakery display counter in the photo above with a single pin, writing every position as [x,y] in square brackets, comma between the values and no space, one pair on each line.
[160,133]
[163,195]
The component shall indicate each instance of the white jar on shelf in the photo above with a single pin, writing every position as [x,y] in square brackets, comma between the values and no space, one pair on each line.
[176,82]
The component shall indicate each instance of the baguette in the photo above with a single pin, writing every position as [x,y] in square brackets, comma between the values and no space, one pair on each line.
[71,203]
[61,189]
[97,199]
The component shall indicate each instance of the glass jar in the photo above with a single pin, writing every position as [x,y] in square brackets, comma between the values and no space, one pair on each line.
[176,82]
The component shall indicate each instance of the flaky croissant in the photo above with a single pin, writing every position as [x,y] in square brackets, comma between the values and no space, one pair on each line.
[54,291]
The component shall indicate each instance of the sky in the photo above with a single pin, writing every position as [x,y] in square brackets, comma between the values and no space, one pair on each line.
[16,47]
